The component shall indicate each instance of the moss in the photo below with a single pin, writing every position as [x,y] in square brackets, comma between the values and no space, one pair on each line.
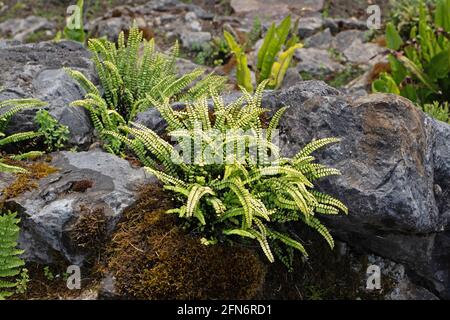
[26,181]
[43,287]
[153,258]
[89,231]
[81,185]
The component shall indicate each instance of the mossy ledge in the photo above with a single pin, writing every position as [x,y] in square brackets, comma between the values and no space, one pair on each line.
[152,257]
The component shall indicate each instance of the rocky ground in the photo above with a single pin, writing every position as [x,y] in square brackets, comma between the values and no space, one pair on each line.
[394,159]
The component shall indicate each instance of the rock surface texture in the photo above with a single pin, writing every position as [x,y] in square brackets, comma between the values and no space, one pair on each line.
[88,185]
[395,164]
[36,70]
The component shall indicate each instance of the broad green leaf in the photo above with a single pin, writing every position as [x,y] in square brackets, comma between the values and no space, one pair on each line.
[442,15]
[277,40]
[419,73]
[393,39]
[439,66]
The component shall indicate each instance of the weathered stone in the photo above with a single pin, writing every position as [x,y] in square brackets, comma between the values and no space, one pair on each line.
[362,53]
[291,78]
[107,289]
[395,164]
[337,25]
[404,288]
[321,40]
[316,62]
[191,39]
[19,29]
[86,182]
[345,39]
[171,18]
[36,70]
[111,27]
[276,7]
[309,26]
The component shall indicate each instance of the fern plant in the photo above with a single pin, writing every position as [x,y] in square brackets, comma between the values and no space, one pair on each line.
[229,176]
[10,262]
[438,111]
[8,109]
[420,67]
[272,61]
[127,78]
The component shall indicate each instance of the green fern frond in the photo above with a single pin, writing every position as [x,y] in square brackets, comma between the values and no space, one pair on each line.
[273,124]
[288,241]
[27,155]
[11,169]
[196,193]
[315,145]
[321,229]
[18,137]
[10,263]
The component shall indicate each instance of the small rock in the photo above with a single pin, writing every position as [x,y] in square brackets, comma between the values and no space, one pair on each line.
[19,29]
[321,40]
[195,26]
[345,39]
[111,27]
[291,78]
[190,16]
[309,26]
[361,53]
[316,62]
[107,289]
[339,25]
[275,7]
[191,39]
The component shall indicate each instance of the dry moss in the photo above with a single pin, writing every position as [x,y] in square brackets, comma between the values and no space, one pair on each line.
[81,186]
[153,258]
[89,231]
[26,181]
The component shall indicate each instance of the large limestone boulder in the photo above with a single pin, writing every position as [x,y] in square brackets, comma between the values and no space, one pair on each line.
[72,211]
[395,164]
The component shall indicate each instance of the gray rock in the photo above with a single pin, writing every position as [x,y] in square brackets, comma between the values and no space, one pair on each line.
[291,78]
[345,39]
[191,39]
[309,26]
[86,182]
[321,40]
[395,165]
[167,17]
[151,118]
[275,7]
[36,70]
[316,62]
[362,53]
[19,29]
[107,289]
[337,25]
[111,27]
[404,288]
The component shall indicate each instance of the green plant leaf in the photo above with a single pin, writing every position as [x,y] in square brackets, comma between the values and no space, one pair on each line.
[393,39]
